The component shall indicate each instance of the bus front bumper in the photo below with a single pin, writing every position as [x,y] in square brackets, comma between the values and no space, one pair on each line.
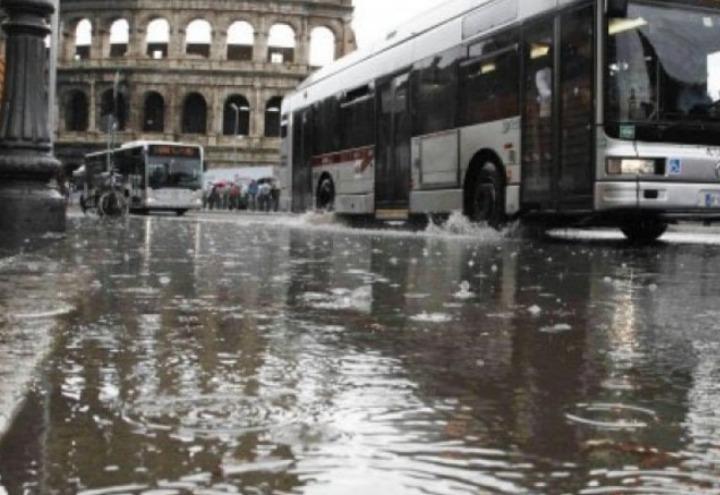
[665,199]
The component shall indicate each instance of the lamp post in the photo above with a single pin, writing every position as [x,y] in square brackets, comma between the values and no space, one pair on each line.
[236,109]
[28,203]
[236,135]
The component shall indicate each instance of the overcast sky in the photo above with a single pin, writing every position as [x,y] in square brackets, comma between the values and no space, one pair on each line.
[375,18]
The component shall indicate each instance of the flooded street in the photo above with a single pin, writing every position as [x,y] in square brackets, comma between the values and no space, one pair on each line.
[221,355]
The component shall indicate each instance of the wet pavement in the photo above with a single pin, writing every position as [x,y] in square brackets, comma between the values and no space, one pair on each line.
[279,355]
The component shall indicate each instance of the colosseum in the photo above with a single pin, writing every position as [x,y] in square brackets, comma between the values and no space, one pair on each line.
[205,71]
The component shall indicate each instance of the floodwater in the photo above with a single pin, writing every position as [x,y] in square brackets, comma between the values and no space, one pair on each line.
[297,356]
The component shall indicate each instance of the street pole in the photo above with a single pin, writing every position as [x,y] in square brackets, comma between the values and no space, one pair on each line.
[236,109]
[28,202]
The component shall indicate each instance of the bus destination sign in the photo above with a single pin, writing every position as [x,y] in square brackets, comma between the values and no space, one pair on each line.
[174,151]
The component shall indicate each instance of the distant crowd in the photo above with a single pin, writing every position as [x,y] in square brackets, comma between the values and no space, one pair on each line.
[262,195]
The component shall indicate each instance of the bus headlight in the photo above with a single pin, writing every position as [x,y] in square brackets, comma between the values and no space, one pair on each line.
[633,166]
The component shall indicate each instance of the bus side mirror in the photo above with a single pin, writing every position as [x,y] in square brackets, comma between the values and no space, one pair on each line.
[617,8]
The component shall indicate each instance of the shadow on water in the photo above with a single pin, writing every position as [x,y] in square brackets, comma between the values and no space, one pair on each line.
[278,359]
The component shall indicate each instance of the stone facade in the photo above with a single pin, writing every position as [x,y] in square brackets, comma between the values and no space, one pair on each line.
[162,91]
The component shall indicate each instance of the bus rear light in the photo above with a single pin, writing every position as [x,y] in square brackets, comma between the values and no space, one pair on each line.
[635,166]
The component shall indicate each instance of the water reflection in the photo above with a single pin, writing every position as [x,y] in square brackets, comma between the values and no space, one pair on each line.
[285,360]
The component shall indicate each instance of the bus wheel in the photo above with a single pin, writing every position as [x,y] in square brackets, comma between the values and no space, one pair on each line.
[326,195]
[486,198]
[644,230]
[180,212]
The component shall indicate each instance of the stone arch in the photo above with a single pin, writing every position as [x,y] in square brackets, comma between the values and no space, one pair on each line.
[113,105]
[119,38]
[77,111]
[153,112]
[83,39]
[194,114]
[157,38]
[282,41]
[272,117]
[198,38]
[236,116]
[240,41]
[323,41]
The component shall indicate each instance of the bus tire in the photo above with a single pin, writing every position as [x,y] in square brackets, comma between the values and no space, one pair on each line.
[643,231]
[326,194]
[486,200]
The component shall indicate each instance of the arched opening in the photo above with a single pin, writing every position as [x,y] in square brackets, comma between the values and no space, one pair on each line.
[281,44]
[157,39]
[198,37]
[76,111]
[272,117]
[240,41]
[194,116]
[154,113]
[322,47]
[119,38]
[236,116]
[83,39]
[113,110]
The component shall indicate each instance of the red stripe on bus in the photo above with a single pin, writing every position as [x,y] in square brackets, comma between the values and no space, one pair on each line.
[347,157]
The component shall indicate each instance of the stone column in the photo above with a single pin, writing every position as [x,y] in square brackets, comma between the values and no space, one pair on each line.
[218,49]
[92,109]
[136,44]
[302,51]
[172,115]
[302,45]
[98,42]
[258,115]
[28,204]
[260,53]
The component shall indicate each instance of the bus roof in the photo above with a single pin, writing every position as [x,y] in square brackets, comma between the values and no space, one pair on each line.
[417,25]
[443,27]
[139,143]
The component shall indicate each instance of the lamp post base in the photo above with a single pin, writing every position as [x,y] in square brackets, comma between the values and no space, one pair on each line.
[30,208]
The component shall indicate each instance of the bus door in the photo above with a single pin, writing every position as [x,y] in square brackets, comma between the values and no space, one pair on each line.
[558,112]
[392,164]
[302,151]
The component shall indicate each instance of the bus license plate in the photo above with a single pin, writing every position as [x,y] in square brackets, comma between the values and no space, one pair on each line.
[712,199]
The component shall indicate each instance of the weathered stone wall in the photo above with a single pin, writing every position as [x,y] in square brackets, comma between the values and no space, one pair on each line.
[179,74]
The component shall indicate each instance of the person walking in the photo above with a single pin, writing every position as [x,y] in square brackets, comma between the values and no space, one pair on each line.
[252,194]
[275,195]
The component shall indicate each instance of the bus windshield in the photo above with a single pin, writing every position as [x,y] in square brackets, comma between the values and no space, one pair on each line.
[664,73]
[177,173]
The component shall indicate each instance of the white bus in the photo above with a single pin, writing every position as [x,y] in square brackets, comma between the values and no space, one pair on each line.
[155,175]
[589,112]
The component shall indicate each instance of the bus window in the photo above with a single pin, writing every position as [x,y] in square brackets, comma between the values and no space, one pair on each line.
[434,92]
[358,119]
[489,84]
[327,116]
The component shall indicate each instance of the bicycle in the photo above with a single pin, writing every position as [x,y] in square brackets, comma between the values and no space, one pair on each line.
[109,199]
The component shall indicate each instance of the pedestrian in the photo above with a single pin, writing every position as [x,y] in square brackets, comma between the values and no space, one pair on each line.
[275,194]
[213,201]
[225,197]
[234,196]
[252,194]
[264,195]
